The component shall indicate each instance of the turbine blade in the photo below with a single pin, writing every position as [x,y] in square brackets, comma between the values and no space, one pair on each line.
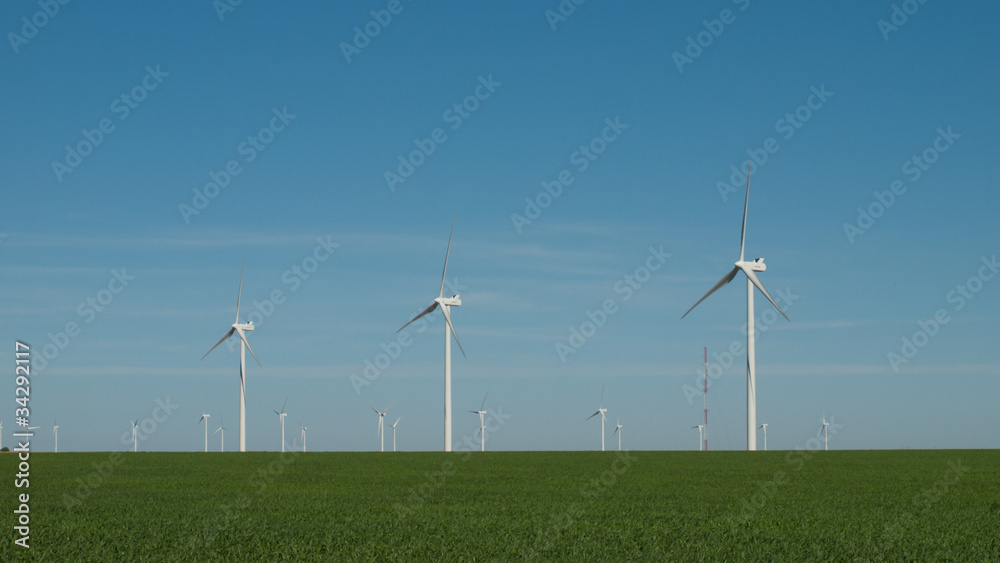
[753,278]
[283,405]
[593,415]
[484,400]
[602,397]
[221,340]
[446,253]
[447,318]
[239,294]
[244,339]
[376,410]
[387,409]
[426,311]
[725,279]
[746,202]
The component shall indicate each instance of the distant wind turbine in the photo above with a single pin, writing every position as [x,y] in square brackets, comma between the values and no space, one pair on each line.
[281,418]
[482,424]
[135,442]
[446,303]
[701,444]
[601,411]
[222,437]
[826,438]
[381,425]
[240,329]
[394,433]
[764,426]
[204,418]
[618,430]
[303,436]
[55,431]
[749,269]
[1,434]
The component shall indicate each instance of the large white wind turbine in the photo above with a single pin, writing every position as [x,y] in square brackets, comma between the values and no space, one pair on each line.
[55,432]
[446,303]
[749,269]
[764,426]
[826,437]
[240,329]
[281,417]
[135,442]
[204,418]
[394,433]
[601,411]
[381,425]
[701,444]
[618,430]
[482,423]
[222,437]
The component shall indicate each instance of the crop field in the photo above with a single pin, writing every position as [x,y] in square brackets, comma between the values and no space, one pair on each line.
[664,506]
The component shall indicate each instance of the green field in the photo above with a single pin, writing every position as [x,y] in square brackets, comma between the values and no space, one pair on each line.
[658,506]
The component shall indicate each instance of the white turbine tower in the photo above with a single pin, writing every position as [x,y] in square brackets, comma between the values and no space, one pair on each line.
[204,418]
[381,425]
[1,434]
[222,437]
[482,424]
[749,269]
[135,442]
[601,411]
[281,418]
[618,430]
[701,444]
[240,329]
[55,432]
[826,438]
[303,435]
[446,303]
[764,426]
[394,433]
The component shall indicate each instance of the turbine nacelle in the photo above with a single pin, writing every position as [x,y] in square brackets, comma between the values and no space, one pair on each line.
[757,265]
[453,301]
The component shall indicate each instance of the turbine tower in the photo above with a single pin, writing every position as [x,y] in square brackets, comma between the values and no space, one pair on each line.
[764,426]
[394,433]
[749,269]
[204,418]
[1,434]
[618,428]
[705,397]
[55,431]
[135,442]
[826,437]
[222,437]
[601,411]
[446,303]
[482,424]
[240,329]
[281,418]
[303,436]
[381,425]
[701,444]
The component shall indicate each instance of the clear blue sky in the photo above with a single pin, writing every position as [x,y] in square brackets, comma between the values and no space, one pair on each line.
[198,86]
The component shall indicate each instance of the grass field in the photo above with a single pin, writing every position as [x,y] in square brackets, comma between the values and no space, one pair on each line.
[662,506]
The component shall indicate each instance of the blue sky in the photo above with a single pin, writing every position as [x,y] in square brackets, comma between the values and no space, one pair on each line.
[834,107]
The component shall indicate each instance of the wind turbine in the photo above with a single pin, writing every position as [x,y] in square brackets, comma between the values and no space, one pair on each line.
[381,425]
[135,425]
[446,303]
[1,434]
[701,445]
[204,418]
[482,423]
[222,437]
[55,431]
[764,426]
[618,428]
[240,329]
[826,440]
[394,433]
[601,411]
[281,417]
[303,435]
[749,269]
